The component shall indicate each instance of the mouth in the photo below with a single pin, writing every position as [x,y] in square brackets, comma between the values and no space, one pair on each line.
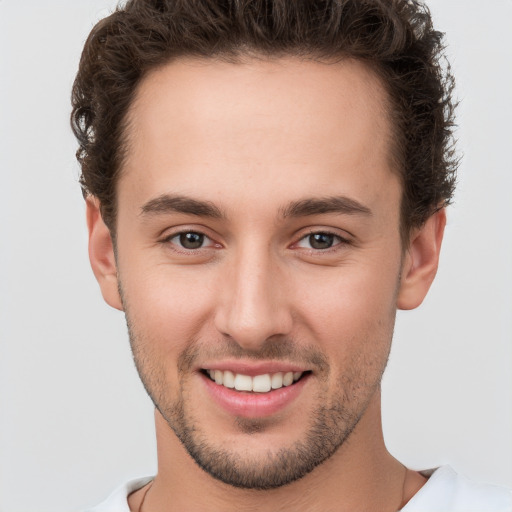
[263,383]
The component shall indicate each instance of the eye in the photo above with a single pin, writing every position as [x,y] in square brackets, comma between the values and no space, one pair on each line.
[320,241]
[189,240]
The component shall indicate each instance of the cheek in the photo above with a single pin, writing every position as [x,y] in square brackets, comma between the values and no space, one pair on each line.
[351,296]
[352,313]
[169,306]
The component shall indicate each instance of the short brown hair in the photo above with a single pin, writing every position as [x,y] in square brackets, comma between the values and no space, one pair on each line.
[394,37]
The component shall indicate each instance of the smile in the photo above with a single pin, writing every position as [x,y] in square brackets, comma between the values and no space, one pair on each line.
[257,384]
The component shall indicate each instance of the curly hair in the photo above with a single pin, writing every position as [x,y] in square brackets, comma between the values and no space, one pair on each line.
[395,38]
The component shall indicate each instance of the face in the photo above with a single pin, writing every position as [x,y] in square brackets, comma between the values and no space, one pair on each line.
[259,258]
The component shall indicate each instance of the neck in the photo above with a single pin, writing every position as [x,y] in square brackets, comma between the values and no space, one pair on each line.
[361,475]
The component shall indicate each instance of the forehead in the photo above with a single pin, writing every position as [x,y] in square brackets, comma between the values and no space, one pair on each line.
[282,126]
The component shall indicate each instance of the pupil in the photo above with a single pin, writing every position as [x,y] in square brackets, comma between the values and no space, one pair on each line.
[191,240]
[321,240]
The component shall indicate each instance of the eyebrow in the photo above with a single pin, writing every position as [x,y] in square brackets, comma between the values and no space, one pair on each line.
[316,206]
[167,203]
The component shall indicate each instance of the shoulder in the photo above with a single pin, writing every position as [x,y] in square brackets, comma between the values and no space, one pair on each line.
[448,491]
[118,500]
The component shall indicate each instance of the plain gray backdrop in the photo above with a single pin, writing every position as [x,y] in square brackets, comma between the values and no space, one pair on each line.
[74,419]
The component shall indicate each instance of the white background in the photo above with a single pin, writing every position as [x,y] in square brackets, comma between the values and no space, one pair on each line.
[74,419]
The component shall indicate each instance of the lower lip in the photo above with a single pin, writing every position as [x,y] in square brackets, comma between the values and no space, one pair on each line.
[254,405]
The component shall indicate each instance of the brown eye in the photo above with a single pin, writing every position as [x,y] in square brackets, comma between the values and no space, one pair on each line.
[321,240]
[191,240]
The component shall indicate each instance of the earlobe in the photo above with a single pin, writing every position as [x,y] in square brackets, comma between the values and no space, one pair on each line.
[420,261]
[101,254]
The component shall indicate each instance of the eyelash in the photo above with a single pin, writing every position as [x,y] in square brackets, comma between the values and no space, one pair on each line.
[178,247]
[183,250]
[341,241]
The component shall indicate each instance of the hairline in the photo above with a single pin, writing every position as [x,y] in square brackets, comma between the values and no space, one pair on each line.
[245,55]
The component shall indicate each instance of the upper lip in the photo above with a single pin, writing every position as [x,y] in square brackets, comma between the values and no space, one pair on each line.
[252,368]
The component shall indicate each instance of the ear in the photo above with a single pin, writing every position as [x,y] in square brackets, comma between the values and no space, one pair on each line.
[101,254]
[420,261]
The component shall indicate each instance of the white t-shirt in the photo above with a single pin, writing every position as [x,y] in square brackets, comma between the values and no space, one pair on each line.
[445,491]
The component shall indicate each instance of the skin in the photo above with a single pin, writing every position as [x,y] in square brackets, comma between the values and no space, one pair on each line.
[252,139]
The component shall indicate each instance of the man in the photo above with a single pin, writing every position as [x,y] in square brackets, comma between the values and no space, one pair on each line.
[265,186]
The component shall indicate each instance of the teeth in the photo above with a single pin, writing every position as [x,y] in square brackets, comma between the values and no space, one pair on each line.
[277,380]
[258,384]
[261,383]
[287,378]
[243,383]
[229,379]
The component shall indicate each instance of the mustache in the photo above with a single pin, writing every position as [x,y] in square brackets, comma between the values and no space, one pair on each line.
[273,349]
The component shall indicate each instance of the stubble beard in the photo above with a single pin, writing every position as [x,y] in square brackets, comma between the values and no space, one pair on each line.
[330,424]
[329,429]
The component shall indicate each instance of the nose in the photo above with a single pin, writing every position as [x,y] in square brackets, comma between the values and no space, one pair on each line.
[254,304]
